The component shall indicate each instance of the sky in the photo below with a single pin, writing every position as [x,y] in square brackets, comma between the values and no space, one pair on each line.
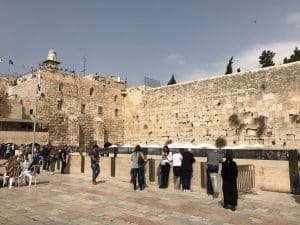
[192,39]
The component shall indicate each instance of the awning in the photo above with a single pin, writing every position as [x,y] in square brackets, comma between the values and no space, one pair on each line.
[21,120]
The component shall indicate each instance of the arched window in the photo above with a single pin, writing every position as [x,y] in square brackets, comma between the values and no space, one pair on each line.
[91,91]
[116,112]
[82,108]
[100,110]
[59,105]
[116,97]
[60,87]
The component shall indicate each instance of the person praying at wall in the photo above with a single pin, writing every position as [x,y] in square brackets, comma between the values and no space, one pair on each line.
[187,169]
[177,172]
[166,161]
[214,157]
[229,176]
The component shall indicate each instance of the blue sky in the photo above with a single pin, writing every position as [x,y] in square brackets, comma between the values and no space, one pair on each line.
[191,39]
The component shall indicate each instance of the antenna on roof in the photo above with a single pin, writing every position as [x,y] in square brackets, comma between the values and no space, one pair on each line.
[84,62]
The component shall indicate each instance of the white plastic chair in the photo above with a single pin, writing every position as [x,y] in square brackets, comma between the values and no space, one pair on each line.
[29,174]
[5,177]
[16,177]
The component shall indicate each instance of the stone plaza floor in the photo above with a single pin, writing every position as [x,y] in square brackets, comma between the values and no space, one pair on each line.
[72,199]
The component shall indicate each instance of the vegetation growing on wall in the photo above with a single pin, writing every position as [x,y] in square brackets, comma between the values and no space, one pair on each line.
[261,123]
[295,118]
[220,142]
[234,120]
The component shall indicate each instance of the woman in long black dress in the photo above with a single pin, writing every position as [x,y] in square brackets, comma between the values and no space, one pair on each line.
[229,175]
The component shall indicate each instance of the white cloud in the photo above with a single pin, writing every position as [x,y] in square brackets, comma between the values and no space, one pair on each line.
[293,18]
[247,59]
[195,74]
[176,58]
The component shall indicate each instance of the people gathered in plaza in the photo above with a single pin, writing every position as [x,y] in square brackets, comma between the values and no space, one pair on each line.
[180,160]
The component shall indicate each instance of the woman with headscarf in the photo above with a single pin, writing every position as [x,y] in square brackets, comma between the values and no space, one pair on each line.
[229,176]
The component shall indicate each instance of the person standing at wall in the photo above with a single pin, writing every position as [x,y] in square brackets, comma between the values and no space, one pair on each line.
[63,158]
[46,159]
[137,167]
[229,176]
[8,151]
[166,161]
[177,160]
[53,158]
[187,169]
[214,157]
[95,159]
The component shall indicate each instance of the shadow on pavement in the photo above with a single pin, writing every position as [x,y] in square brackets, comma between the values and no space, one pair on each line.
[297,198]
[101,181]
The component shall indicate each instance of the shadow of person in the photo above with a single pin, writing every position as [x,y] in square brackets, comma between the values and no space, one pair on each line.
[297,198]
[101,181]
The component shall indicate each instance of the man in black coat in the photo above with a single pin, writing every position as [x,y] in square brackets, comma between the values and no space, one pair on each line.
[229,175]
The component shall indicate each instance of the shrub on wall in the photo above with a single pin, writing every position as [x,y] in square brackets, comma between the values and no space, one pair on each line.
[261,122]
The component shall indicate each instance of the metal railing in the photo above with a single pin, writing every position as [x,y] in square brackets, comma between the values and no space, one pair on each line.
[246,178]
[245,181]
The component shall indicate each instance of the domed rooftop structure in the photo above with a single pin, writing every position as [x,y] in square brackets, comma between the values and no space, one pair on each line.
[51,61]
[52,55]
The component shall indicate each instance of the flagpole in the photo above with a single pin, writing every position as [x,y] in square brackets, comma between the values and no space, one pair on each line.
[35,116]
[8,71]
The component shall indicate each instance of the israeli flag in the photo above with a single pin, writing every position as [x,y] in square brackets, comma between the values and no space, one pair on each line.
[39,87]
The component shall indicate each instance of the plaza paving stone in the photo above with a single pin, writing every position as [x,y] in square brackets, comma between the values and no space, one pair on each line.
[72,199]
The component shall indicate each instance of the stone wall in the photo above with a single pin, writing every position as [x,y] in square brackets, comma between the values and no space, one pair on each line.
[22,137]
[249,108]
[91,108]
[254,108]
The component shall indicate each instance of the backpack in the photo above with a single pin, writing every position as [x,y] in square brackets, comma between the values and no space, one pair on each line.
[141,161]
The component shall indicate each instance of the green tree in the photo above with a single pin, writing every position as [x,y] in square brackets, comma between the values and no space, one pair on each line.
[229,66]
[266,58]
[294,57]
[172,80]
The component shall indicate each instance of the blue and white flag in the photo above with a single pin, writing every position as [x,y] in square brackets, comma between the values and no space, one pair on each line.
[39,87]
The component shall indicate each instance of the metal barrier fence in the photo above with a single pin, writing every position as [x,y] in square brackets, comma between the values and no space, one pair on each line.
[246,178]
[245,181]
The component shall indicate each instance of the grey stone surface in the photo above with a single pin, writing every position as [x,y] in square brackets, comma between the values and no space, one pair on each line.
[72,199]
